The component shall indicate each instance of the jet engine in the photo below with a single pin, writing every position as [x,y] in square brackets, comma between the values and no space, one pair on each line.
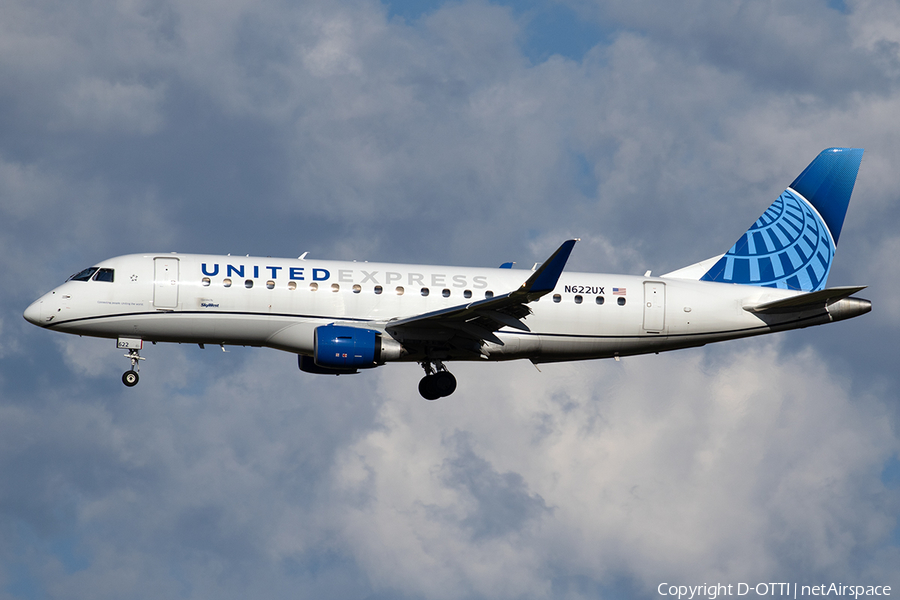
[339,350]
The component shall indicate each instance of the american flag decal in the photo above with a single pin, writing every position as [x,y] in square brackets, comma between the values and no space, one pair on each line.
[618,291]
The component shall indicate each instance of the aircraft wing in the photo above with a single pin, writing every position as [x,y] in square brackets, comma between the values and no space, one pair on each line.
[466,326]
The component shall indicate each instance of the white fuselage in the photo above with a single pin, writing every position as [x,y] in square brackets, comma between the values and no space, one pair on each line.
[278,303]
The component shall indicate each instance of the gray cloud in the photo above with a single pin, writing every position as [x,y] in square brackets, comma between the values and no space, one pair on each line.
[801,48]
[501,503]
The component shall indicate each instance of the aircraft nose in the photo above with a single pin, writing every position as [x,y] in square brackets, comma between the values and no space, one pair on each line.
[33,313]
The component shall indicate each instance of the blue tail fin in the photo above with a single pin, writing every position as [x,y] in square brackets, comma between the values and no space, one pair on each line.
[792,244]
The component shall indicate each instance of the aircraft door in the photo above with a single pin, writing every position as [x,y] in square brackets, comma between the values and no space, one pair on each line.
[654,306]
[165,282]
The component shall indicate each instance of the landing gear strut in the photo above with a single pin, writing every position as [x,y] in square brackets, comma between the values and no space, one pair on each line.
[438,381]
[131,377]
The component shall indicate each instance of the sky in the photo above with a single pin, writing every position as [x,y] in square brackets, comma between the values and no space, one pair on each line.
[458,133]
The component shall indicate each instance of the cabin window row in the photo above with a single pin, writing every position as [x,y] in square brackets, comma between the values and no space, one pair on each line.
[399,290]
[600,300]
[335,287]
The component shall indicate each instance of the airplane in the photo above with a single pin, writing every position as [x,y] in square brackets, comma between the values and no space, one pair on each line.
[341,317]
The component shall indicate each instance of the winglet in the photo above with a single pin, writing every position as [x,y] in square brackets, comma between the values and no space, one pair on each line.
[544,279]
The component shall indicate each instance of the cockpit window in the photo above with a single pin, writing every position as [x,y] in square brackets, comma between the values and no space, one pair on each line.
[84,275]
[105,275]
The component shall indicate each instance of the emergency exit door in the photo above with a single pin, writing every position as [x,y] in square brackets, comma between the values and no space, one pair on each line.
[165,282]
[654,306]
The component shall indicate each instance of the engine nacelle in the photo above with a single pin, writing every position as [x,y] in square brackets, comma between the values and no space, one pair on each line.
[308,365]
[337,347]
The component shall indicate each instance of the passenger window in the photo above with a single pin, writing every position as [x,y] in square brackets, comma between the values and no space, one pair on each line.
[378,289]
[248,283]
[578,299]
[489,294]
[313,287]
[357,288]
[292,285]
[557,297]
[335,287]
[467,294]
[205,281]
[400,290]
[226,282]
[445,293]
[600,299]
[84,275]
[270,284]
[105,275]
[621,301]
[425,291]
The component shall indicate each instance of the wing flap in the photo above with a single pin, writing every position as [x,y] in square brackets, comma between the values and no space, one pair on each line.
[475,331]
[504,319]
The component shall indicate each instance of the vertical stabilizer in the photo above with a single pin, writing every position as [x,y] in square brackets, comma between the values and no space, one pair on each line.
[791,246]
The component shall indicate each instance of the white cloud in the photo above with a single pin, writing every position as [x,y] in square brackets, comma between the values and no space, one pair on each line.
[88,357]
[738,461]
[334,53]
[663,466]
[875,26]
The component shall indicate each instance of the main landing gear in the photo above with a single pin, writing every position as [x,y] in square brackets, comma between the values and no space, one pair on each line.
[131,377]
[438,381]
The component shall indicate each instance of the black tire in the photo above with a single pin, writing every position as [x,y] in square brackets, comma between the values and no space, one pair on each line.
[130,378]
[444,383]
[427,388]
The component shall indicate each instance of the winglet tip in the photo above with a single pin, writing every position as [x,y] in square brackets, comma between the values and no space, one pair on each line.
[544,279]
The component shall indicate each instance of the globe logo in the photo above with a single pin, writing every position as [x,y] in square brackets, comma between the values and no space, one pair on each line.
[789,247]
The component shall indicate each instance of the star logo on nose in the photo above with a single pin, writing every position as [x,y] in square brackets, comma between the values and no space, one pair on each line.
[134,277]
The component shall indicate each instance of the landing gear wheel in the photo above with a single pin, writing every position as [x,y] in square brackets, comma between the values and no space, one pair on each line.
[130,378]
[428,389]
[444,383]
[437,385]
[438,382]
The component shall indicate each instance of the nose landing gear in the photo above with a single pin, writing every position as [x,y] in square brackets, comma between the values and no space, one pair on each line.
[131,377]
[438,381]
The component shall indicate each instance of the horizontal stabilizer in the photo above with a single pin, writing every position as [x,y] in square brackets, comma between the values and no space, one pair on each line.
[808,301]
